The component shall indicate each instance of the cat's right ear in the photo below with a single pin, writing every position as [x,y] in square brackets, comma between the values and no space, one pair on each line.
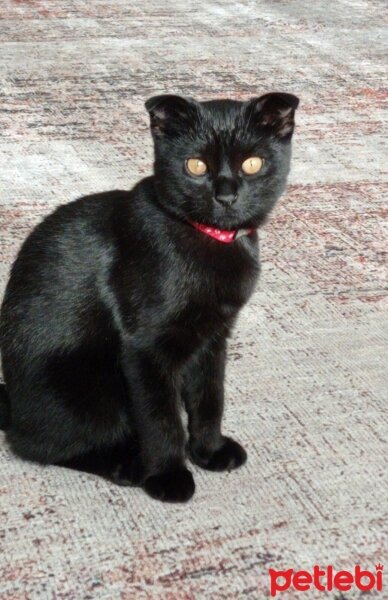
[169,113]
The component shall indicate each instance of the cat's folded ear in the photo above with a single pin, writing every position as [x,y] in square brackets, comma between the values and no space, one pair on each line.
[169,113]
[274,112]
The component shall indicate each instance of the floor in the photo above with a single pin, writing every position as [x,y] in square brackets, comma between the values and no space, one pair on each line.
[306,380]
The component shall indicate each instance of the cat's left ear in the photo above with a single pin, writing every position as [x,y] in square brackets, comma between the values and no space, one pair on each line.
[169,113]
[276,112]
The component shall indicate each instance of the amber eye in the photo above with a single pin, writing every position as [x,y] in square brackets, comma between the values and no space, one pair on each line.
[252,165]
[196,166]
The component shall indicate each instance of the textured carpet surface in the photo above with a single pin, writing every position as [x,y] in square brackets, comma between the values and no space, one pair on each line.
[306,381]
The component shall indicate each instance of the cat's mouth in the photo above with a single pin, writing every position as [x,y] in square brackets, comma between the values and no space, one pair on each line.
[228,221]
[226,236]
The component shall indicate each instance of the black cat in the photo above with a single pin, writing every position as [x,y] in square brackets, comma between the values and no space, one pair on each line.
[119,304]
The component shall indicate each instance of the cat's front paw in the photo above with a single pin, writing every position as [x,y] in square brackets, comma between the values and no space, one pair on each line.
[172,486]
[230,455]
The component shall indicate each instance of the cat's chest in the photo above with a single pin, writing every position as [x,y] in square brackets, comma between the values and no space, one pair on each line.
[190,327]
[222,292]
[204,305]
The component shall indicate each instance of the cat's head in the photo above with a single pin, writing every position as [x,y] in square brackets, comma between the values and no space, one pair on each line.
[222,163]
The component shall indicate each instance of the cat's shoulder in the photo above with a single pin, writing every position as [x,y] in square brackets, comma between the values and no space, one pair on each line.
[111,199]
[99,203]
[93,202]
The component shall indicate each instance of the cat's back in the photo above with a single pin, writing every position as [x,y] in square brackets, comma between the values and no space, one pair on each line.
[70,237]
[52,286]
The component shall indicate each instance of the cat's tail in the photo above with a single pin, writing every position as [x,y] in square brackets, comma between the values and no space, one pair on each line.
[5,413]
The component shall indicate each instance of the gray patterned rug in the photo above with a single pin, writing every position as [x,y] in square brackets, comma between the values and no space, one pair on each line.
[306,382]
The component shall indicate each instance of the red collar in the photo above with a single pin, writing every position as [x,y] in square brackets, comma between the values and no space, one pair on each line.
[222,235]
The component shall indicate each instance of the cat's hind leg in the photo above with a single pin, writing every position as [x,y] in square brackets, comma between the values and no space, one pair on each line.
[120,463]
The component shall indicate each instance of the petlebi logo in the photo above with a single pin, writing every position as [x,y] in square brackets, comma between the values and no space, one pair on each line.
[326,579]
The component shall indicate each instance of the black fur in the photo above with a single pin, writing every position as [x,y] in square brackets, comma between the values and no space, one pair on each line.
[5,415]
[117,308]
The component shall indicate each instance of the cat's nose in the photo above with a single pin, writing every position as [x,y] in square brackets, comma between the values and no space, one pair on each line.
[225,191]
[226,199]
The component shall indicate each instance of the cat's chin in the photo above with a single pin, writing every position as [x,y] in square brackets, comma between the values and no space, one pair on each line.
[226,222]
[232,220]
